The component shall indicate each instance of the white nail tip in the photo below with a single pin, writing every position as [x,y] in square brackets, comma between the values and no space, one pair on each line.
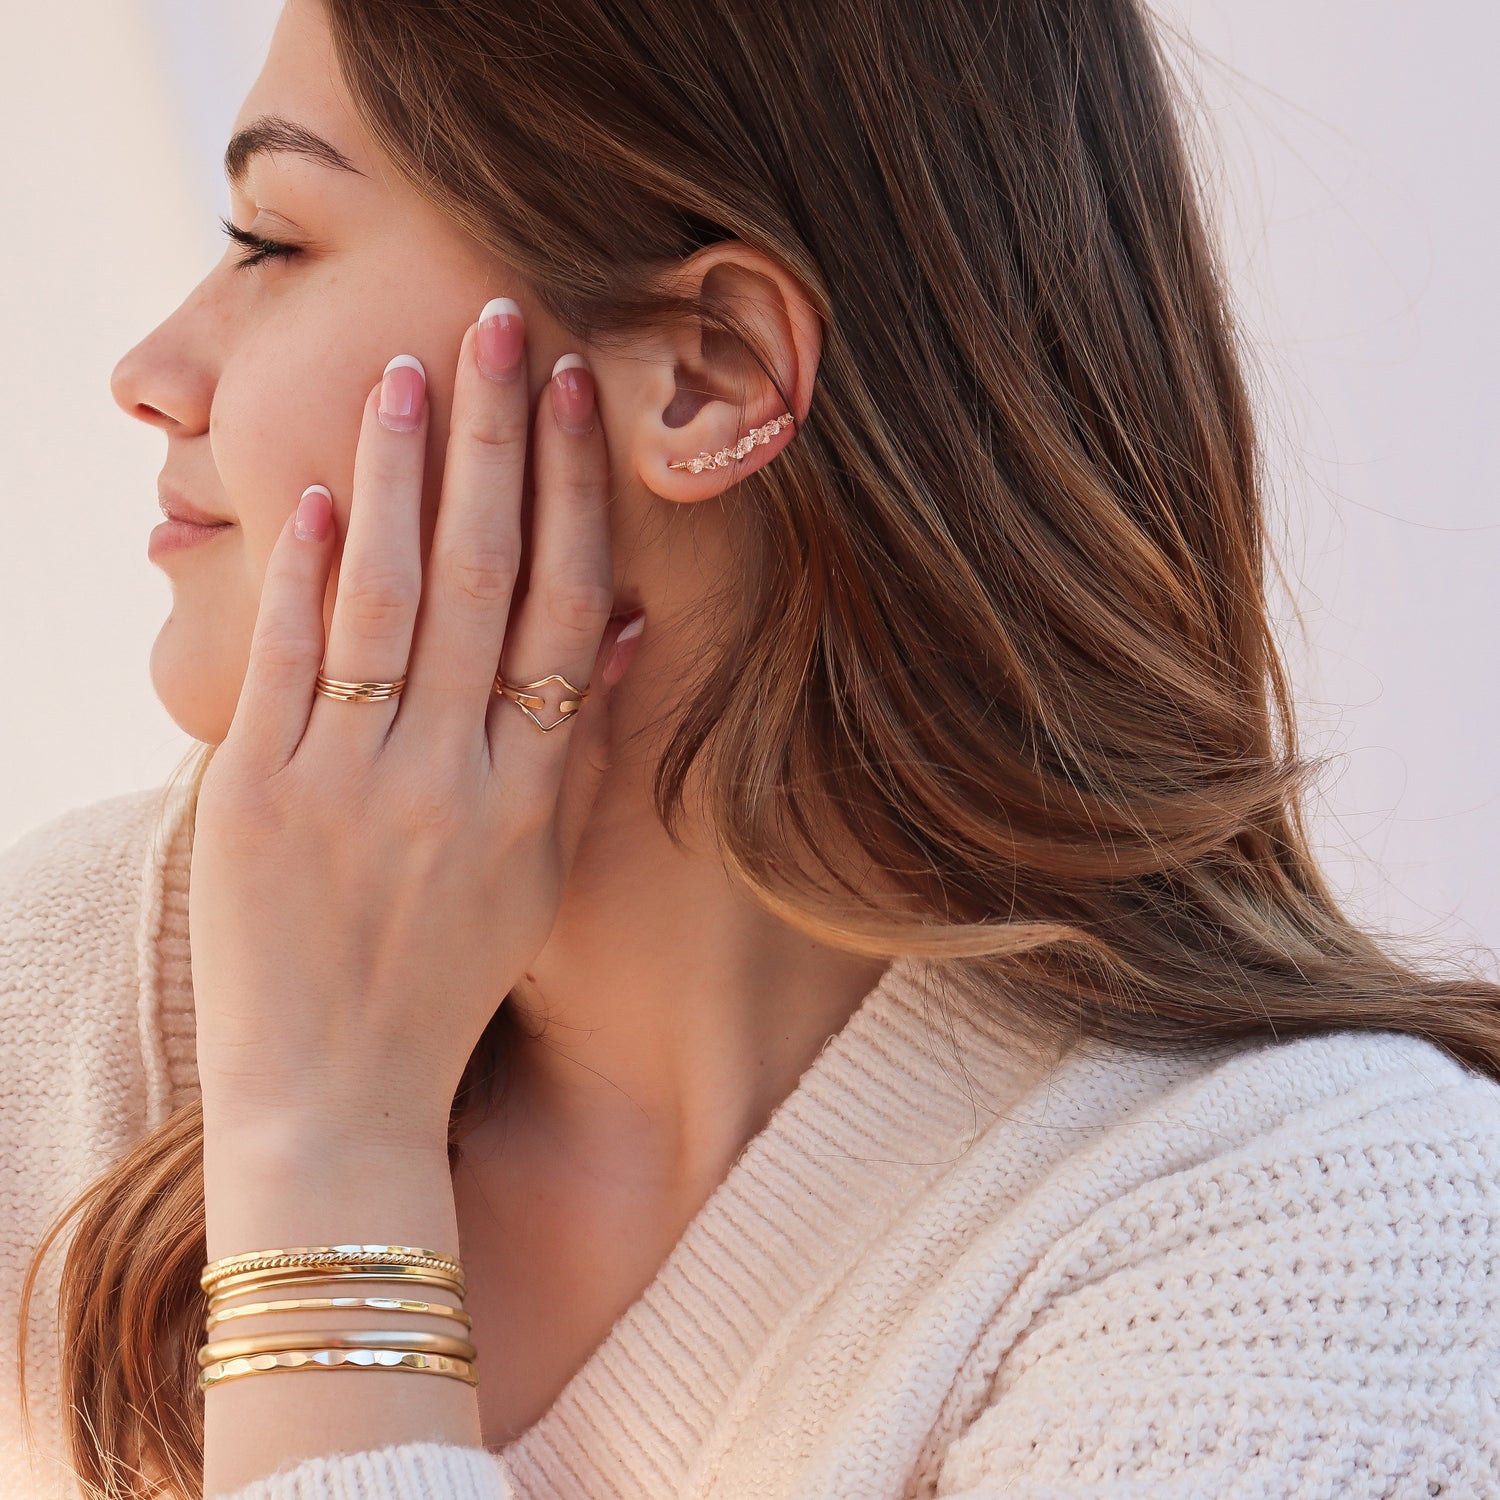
[322,487]
[498,307]
[632,630]
[410,361]
[569,362]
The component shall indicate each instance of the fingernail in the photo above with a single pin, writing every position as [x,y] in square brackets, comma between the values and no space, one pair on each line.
[402,390]
[573,393]
[502,338]
[314,514]
[625,648]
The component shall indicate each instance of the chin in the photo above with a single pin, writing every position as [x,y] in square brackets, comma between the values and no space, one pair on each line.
[188,687]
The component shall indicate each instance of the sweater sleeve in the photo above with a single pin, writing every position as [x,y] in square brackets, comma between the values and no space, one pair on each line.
[1317,1315]
[409,1471]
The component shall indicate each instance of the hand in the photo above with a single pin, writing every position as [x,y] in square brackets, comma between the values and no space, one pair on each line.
[369,879]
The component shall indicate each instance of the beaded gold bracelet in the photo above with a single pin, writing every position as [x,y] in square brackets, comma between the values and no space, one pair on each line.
[333,1257]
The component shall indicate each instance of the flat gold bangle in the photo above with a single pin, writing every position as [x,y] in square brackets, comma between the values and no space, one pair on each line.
[337,1359]
[299,1304]
[256,1281]
[265,1343]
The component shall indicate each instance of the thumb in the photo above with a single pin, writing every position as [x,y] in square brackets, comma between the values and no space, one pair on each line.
[593,754]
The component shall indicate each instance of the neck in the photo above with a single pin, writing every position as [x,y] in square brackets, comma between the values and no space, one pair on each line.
[668,1015]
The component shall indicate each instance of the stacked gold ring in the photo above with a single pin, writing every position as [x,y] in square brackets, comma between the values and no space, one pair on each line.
[359,692]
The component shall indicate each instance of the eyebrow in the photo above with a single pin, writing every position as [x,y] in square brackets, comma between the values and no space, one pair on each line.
[270,133]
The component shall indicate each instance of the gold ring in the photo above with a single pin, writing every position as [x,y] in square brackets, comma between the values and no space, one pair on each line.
[520,694]
[358,692]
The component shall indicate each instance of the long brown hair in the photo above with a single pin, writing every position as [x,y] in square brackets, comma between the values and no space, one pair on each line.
[1004,611]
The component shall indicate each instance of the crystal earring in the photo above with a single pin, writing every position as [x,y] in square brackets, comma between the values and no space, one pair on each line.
[735,452]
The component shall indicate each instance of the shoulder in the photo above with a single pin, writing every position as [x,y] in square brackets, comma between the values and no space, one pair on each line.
[1277,1272]
[1295,1166]
[78,898]
[71,890]
[80,853]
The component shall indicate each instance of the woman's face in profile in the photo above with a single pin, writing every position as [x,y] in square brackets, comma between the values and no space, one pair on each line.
[258,379]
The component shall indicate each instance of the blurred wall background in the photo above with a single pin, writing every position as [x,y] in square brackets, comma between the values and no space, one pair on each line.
[1349,144]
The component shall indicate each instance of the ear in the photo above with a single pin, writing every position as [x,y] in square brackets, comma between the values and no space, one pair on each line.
[696,391]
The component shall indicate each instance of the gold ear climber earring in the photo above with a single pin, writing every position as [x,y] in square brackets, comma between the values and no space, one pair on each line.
[736,451]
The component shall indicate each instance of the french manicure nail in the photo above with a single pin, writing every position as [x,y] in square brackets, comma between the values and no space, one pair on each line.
[573,393]
[626,645]
[314,513]
[402,390]
[502,338]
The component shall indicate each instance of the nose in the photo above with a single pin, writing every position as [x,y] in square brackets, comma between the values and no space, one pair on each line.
[167,379]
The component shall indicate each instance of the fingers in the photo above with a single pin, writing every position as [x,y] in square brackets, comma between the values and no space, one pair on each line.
[286,647]
[476,547]
[559,625]
[380,570]
[449,633]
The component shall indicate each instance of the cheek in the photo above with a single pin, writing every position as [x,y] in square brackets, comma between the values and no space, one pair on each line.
[284,417]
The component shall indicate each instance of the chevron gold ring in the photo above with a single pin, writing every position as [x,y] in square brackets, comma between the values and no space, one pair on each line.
[523,695]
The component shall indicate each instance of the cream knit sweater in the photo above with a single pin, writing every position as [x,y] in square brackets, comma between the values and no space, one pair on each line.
[938,1270]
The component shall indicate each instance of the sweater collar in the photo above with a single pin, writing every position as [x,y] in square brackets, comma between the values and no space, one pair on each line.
[879,1115]
[167,1022]
[894,1096]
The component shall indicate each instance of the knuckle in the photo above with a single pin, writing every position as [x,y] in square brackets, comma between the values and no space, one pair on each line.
[378,599]
[581,604]
[244,808]
[495,434]
[284,648]
[483,573]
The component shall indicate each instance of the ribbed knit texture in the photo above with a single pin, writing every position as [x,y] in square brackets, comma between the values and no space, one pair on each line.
[942,1269]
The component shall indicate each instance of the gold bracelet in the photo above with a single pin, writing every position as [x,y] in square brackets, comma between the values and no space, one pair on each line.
[257,1281]
[265,1343]
[337,1359]
[298,1304]
[335,1256]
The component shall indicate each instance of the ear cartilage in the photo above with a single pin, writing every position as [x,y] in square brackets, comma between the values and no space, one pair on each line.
[733,454]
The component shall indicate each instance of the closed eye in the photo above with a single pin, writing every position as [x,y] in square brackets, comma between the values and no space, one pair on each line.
[261,249]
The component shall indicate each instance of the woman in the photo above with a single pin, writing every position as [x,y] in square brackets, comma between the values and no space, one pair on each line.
[748,909]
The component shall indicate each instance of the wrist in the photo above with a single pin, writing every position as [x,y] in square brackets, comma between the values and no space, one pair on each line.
[274,1180]
[286,1135]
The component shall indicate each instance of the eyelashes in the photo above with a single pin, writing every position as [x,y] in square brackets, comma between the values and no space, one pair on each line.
[261,249]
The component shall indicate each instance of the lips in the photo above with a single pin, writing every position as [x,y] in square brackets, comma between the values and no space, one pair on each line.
[175,508]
